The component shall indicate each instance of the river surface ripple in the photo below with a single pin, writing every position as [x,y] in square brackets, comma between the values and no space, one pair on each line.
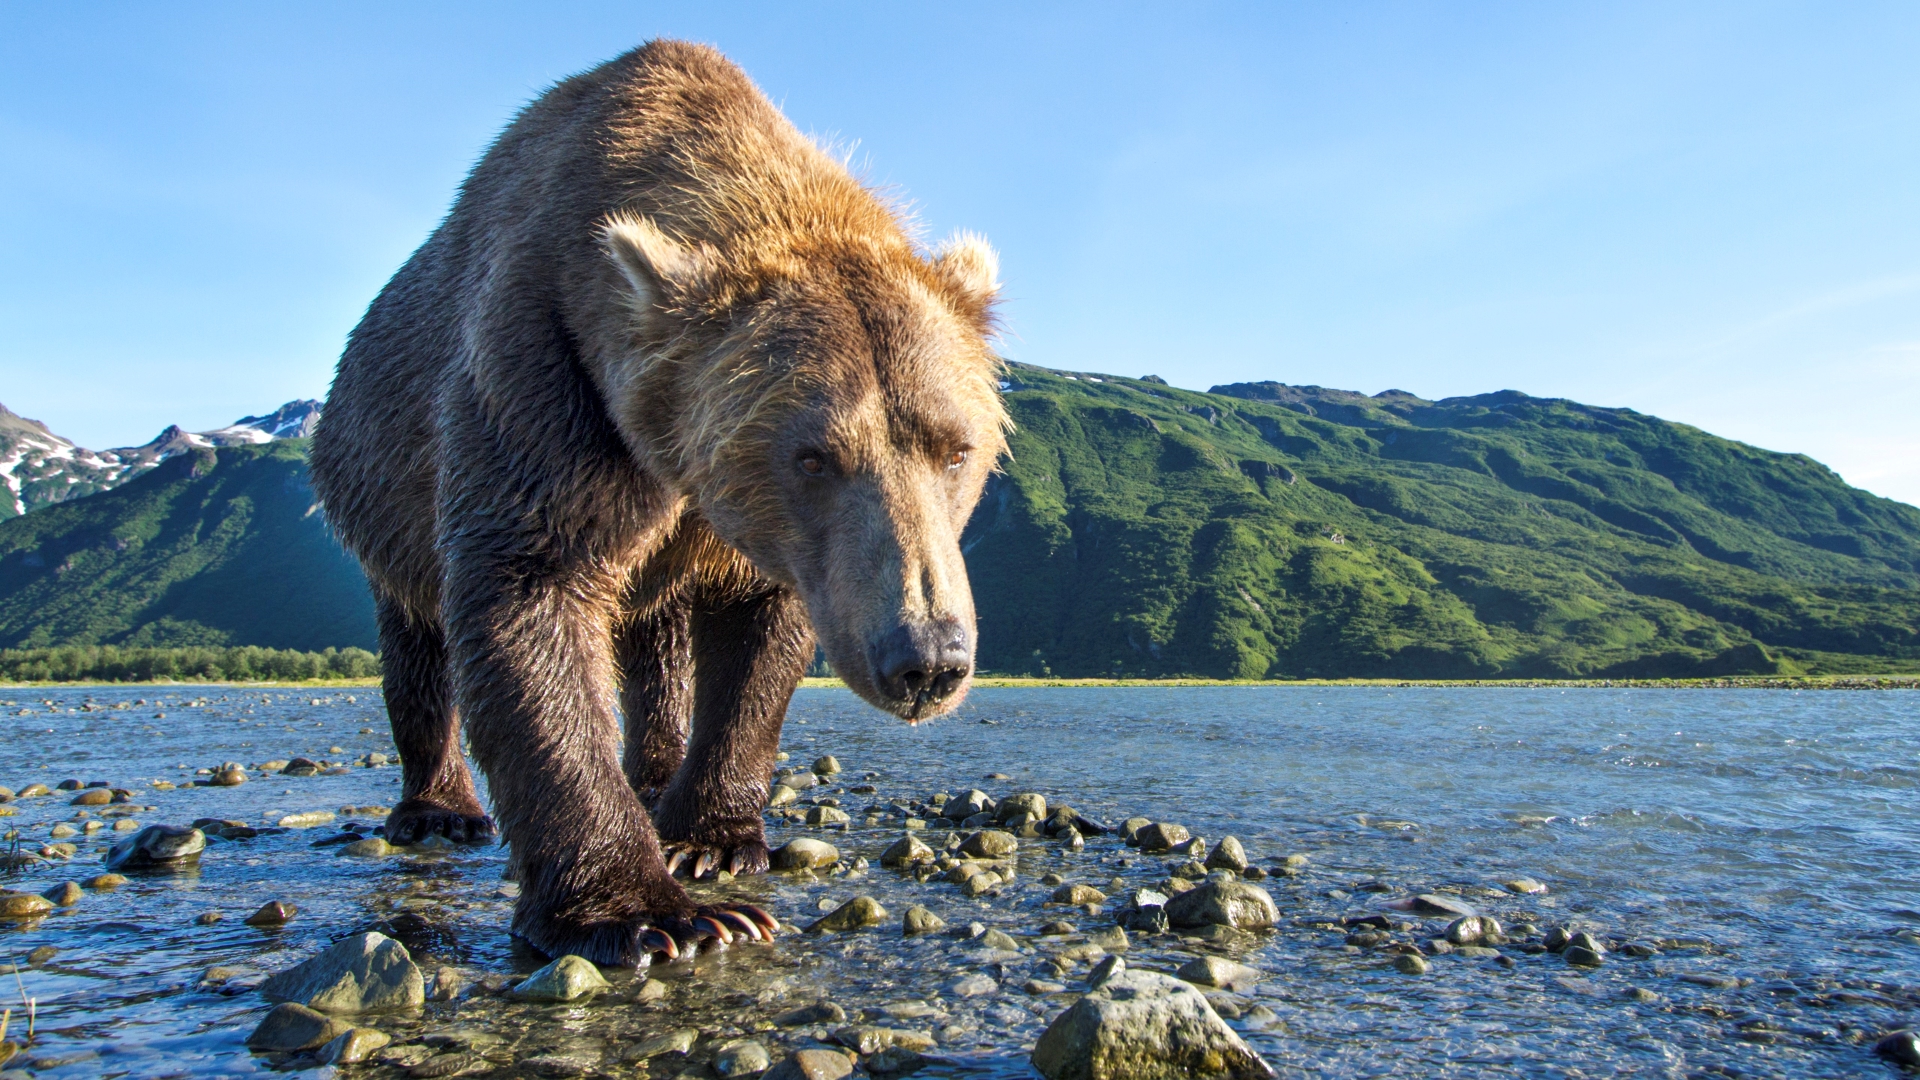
[1766,836]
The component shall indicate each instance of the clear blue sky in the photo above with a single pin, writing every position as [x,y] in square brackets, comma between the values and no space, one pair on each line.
[1710,212]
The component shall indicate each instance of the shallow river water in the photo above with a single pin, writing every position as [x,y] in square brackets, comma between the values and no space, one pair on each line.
[1762,843]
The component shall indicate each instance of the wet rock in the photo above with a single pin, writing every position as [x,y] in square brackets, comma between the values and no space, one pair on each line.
[1029,803]
[1077,895]
[33,791]
[1437,906]
[363,973]
[968,805]
[1192,848]
[673,1042]
[1141,1025]
[453,1063]
[353,1046]
[1580,956]
[20,907]
[1218,971]
[782,795]
[1230,855]
[65,894]
[125,825]
[208,918]
[990,844]
[1587,941]
[980,884]
[566,979]
[1640,994]
[896,1061]
[1130,829]
[826,815]
[856,914]
[999,939]
[1037,987]
[1472,929]
[291,1027]
[1112,939]
[1525,886]
[826,766]
[1057,928]
[1411,964]
[272,913]
[819,1013]
[1104,971]
[918,920]
[373,847]
[812,1064]
[1224,903]
[1144,912]
[446,984]
[803,853]
[1709,981]
[1161,837]
[1900,1047]
[742,1057]
[157,847]
[92,797]
[230,776]
[306,819]
[908,851]
[865,1040]
[975,985]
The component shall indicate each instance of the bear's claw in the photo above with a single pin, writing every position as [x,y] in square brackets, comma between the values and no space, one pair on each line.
[704,860]
[413,820]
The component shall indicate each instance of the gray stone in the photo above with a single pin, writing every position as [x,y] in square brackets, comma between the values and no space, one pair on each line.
[804,853]
[373,847]
[1437,906]
[824,1012]
[1161,837]
[20,907]
[1141,1025]
[1130,829]
[1026,803]
[1900,1047]
[353,1046]
[291,1027]
[566,979]
[1224,903]
[826,766]
[742,1057]
[975,985]
[673,1042]
[812,1064]
[827,815]
[1580,956]
[908,851]
[1106,969]
[919,920]
[1472,929]
[1218,971]
[997,939]
[362,973]
[157,847]
[856,914]
[1230,855]
[782,795]
[1525,886]
[1077,895]
[990,844]
[1411,964]
[896,1061]
[866,1039]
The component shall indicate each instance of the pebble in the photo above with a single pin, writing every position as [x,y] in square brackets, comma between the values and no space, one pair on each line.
[156,847]
[824,1012]
[1525,886]
[93,797]
[812,1064]
[19,907]
[975,985]
[353,1046]
[272,913]
[907,851]
[1161,837]
[1057,928]
[1221,972]
[826,766]
[990,844]
[673,1042]
[65,894]
[782,795]
[208,918]
[743,1057]
[62,830]
[895,1060]
[33,791]
[373,847]
[1130,829]
[999,939]
[1230,855]
[1472,929]
[1030,803]
[1581,956]
[362,973]
[566,979]
[229,777]
[865,1039]
[1411,964]
[1043,986]
[827,815]
[1434,905]
[918,920]
[1712,982]
[292,1027]
[306,819]
[1077,895]
[857,913]
[802,853]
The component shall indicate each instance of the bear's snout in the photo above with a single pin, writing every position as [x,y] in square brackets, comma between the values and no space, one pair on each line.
[921,663]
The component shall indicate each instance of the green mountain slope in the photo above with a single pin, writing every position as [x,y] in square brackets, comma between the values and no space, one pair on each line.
[1270,531]
[209,548]
[1259,531]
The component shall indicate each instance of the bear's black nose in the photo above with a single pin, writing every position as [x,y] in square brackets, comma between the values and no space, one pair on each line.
[923,662]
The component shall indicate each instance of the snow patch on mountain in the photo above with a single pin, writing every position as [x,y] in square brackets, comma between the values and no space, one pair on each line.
[40,468]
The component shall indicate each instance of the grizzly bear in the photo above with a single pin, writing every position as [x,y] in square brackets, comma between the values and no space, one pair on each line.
[668,395]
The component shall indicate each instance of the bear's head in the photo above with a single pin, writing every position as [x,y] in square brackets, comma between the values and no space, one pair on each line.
[833,411]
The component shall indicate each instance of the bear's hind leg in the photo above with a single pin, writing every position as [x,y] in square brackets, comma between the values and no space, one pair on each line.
[749,654]
[655,654]
[436,790]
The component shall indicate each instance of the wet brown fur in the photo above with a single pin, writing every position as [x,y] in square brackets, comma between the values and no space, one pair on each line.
[566,443]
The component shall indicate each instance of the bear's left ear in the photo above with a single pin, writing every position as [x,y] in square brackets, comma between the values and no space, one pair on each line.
[661,273]
[972,269]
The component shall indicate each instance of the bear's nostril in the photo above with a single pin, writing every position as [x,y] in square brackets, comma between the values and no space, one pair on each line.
[913,662]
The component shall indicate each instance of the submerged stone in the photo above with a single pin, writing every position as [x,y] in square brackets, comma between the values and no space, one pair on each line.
[291,1027]
[157,847]
[362,973]
[566,979]
[856,914]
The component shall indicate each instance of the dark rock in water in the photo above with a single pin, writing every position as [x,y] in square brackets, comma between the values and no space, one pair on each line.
[157,847]
[272,913]
[1130,829]
[1436,906]
[1161,836]
[1900,1047]
[918,920]
[1026,803]
[1230,855]
[1141,1025]
[66,894]
[742,1057]
[1472,929]
[815,1064]
[1580,956]
[292,1027]
[362,973]
[826,766]
[1224,903]
[990,844]
[856,914]
[1144,912]
[21,907]
[353,1046]
[824,1012]
[300,767]
[92,797]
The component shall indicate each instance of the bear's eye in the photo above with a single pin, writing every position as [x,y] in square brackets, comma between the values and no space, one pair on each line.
[956,459]
[812,465]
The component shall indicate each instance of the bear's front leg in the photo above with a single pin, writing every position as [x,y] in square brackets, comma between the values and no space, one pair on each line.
[749,653]
[532,655]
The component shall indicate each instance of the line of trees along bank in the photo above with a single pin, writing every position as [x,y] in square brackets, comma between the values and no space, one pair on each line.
[111,663]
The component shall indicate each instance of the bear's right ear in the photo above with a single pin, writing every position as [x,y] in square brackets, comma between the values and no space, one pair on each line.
[661,273]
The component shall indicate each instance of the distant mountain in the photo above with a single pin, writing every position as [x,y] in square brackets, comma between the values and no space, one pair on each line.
[40,468]
[1257,531]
